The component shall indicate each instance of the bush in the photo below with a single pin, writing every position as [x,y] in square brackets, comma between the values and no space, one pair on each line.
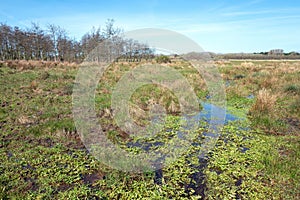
[292,89]
[162,59]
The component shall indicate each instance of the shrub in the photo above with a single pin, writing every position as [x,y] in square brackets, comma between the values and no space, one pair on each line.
[292,89]
[162,59]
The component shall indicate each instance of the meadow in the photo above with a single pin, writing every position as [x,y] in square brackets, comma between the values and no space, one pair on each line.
[256,156]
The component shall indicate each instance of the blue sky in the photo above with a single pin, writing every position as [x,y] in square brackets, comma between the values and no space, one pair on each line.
[218,26]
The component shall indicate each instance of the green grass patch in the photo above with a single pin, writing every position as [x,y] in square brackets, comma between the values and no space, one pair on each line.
[42,157]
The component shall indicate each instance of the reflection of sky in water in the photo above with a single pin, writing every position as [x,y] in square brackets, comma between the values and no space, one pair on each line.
[217,113]
[251,96]
[212,114]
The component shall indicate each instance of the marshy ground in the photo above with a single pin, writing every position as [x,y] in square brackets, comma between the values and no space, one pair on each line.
[256,157]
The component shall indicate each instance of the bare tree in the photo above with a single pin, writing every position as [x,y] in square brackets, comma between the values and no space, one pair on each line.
[110,30]
[55,44]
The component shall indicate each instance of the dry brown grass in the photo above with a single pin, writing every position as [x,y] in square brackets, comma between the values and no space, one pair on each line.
[269,82]
[138,114]
[265,103]
[24,120]
[32,64]
[248,64]
[34,85]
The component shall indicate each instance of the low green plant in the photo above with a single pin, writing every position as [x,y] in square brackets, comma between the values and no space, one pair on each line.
[295,89]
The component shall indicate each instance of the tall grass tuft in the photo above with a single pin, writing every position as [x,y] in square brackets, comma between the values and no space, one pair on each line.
[263,114]
[264,103]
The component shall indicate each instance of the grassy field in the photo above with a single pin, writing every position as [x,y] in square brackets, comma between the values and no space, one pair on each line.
[257,157]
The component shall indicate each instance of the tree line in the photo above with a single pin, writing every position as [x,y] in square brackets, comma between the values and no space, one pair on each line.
[54,44]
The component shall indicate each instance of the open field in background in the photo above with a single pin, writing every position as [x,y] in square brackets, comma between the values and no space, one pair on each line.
[42,157]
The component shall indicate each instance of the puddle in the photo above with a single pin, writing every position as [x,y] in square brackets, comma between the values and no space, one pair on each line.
[213,115]
[210,113]
[198,178]
[244,149]
[239,76]
[250,96]
[219,113]
[228,83]
[158,176]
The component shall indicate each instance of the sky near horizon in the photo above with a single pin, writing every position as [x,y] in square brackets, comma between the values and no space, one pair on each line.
[217,26]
